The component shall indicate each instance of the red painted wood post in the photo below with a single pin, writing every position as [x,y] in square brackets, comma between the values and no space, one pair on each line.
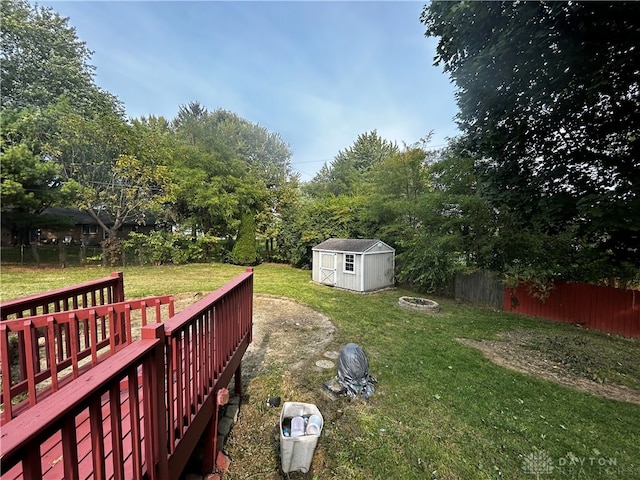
[117,452]
[29,342]
[97,438]
[70,448]
[51,334]
[31,464]
[154,382]
[118,289]
[5,367]
[116,296]
[136,447]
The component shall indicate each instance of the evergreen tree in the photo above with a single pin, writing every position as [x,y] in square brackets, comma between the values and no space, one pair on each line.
[244,249]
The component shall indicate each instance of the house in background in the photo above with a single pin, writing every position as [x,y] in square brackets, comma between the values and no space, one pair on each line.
[361,265]
[86,229]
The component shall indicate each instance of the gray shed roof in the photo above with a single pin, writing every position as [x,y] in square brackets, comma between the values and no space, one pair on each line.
[348,244]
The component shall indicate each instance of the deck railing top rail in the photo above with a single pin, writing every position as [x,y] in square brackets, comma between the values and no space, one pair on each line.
[94,292]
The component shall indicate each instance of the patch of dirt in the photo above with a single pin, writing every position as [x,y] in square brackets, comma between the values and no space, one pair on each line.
[280,326]
[286,333]
[511,353]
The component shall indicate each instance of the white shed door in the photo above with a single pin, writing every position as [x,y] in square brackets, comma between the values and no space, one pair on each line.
[328,266]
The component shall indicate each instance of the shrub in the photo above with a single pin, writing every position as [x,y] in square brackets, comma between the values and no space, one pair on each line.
[244,250]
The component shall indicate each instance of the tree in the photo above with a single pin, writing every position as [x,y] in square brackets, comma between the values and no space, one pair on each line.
[189,123]
[29,185]
[41,59]
[30,181]
[314,220]
[232,165]
[549,103]
[400,181]
[244,250]
[456,206]
[120,180]
[351,168]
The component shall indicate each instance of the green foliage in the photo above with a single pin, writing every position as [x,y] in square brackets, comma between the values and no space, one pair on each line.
[549,103]
[428,262]
[163,248]
[41,57]
[399,183]
[244,249]
[224,164]
[28,183]
[351,168]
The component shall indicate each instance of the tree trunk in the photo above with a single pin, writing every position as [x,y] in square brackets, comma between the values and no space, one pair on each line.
[62,254]
[35,252]
[83,254]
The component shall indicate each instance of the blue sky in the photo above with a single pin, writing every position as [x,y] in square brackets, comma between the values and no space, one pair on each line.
[317,73]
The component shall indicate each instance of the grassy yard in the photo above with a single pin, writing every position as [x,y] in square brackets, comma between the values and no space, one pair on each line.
[441,409]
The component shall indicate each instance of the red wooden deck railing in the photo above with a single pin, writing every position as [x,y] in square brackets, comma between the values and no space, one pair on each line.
[95,292]
[142,411]
[57,347]
[104,426]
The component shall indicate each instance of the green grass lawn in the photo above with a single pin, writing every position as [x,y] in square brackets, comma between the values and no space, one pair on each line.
[441,410]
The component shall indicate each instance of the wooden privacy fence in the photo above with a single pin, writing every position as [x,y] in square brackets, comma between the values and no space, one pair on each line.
[57,347]
[482,287]
[611,310]
[142,411]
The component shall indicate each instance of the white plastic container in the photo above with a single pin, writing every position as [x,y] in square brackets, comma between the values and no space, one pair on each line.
[314,425]
[296,453]
[297,426]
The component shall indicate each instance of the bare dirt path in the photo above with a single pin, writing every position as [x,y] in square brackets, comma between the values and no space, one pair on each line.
[510,354]
[280,327]
[286,333]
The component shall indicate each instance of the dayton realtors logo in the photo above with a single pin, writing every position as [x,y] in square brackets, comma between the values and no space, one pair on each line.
[537,463]
[572,466]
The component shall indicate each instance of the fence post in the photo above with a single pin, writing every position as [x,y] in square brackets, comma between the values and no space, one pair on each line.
[154,383]
[118,290]
[5,368]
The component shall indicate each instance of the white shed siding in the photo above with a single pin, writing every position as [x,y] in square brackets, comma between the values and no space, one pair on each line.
[315,266]
[348,280]
[379,268]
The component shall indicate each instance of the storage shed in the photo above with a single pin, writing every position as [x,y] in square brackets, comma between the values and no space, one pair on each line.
[361,265]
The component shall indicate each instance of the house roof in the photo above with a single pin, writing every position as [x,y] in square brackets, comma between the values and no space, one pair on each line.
[349,244]
[81,217]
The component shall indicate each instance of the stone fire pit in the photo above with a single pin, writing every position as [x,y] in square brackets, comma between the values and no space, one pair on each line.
[419,304]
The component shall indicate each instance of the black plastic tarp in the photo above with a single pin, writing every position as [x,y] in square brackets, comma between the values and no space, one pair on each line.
[353,371]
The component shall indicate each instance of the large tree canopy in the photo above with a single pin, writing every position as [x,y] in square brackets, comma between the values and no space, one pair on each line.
[352,167]
[41,58]
[549,104]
